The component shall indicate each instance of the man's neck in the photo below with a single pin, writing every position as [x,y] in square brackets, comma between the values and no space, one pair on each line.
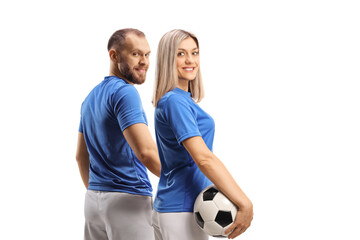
[115,72]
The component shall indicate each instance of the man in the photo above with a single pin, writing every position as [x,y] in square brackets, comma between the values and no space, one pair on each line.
[115,145]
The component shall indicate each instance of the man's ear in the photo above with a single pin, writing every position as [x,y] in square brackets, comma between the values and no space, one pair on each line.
[113,56]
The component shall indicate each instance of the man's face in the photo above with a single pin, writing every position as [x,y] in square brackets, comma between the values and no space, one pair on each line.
[134,59]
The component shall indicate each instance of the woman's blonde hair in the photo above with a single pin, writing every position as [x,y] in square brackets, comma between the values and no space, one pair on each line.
[166,76]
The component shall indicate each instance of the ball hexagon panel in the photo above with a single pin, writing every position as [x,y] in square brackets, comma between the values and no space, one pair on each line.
[223,202]
[234,211]
[198,202]
[213,229]
[208,211]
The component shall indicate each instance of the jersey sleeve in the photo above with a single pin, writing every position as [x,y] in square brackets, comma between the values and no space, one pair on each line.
[181,118]
[128,107]
[81,127]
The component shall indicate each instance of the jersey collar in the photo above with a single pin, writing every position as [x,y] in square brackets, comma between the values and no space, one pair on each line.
[182,92]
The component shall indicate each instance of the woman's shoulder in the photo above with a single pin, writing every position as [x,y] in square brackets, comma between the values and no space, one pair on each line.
[172,98]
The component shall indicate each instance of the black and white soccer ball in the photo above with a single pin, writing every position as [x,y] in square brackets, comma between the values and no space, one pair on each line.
[214,212]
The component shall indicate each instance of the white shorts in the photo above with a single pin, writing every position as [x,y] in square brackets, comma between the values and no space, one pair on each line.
[118,216]
[177,226]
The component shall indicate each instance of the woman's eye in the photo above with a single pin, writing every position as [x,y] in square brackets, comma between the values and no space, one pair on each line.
[195,53]
[181,54]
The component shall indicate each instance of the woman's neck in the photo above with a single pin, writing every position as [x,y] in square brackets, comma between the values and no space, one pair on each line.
[183,84]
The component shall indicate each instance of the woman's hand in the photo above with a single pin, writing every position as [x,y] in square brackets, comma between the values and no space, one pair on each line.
[242,221]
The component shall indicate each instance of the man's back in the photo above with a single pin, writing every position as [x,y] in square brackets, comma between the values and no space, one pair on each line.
[108,110]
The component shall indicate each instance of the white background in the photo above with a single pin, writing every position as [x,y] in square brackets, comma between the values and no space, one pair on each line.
[281,81]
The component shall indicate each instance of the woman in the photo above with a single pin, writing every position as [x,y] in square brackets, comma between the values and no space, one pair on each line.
[184,135]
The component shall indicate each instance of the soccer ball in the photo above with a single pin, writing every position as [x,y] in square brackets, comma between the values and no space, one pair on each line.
[214,212]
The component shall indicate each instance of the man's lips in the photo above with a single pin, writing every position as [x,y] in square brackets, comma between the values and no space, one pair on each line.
[141,70]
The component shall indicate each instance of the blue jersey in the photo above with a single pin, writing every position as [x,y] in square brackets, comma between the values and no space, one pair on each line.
[178,117]
[107,111]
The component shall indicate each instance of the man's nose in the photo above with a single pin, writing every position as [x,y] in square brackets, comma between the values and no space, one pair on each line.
[144,60]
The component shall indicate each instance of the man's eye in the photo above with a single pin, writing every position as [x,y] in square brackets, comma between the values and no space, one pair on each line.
[135,54]
[147,55]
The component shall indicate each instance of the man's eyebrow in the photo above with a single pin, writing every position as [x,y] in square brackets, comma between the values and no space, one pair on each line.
[138,50]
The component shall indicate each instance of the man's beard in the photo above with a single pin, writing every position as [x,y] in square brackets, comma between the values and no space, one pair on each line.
[129,74]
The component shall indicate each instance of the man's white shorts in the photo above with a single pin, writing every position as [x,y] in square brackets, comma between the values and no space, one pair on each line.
[118,216]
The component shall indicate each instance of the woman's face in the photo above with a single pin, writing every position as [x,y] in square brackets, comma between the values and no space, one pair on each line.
[187,59]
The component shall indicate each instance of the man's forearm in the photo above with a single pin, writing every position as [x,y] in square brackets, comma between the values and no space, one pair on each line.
[152,162]
[83,159]
[84,170]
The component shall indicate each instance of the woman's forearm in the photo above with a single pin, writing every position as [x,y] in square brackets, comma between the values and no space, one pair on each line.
[216,171]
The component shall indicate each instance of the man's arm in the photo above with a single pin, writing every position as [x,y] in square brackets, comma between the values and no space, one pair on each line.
[139,138]
[82,158]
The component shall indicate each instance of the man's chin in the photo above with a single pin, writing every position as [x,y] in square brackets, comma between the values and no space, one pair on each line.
[140,82]
[139,79]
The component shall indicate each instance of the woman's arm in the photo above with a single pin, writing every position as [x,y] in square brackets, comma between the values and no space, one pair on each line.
[215,170]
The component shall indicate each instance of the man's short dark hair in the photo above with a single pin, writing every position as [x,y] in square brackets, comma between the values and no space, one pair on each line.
[118,38]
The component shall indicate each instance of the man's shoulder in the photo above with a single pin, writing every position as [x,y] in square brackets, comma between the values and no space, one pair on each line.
[126,91]
[119,87]
[125,94]
[116,83]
